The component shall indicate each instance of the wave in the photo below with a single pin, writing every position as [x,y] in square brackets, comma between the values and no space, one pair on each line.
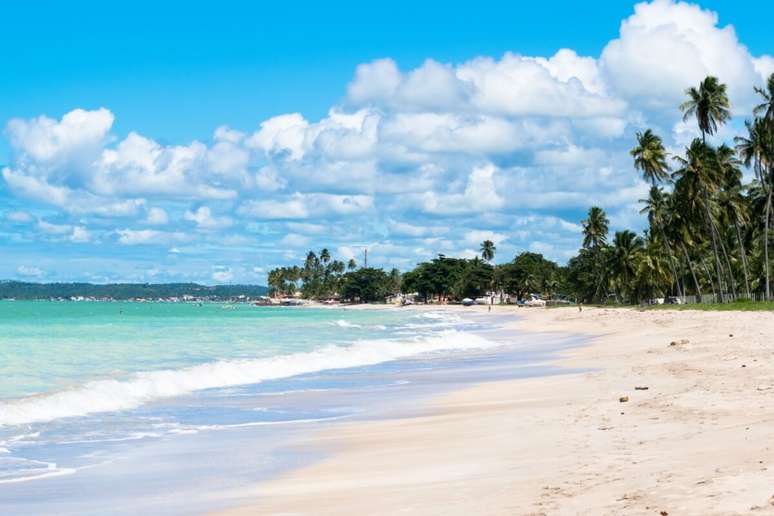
[345,324]
[114,395]
[13,470]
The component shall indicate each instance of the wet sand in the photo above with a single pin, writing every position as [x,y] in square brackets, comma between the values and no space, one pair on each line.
[698,440]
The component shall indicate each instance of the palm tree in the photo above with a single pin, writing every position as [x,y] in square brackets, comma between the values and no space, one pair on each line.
[757,151]
[656,206]
[652,270]
[709,104]
[650,157]
[595,228]
[732,203]
[698,178]
[766,108]
[623,261]
[680,230]
[325,256]
[351,264]
[487,250]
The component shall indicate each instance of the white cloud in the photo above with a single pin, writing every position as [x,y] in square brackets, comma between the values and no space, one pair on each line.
[53,229]
[149,236]
[281,134]
[18,216]
[29,271]
[224,275]
[204,218]
[405,229]
[294,240]
[307,228]
[494,146]
[76,136]
[480,195]
[764,65]
[476,236]
[374,81]
[156,216]
[80,235]
[667,46]
[301,206]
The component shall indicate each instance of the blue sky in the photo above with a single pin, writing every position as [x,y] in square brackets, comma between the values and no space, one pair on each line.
[211,142]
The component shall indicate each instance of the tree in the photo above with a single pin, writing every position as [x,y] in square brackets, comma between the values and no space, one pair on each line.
[650,158]
[656,208]
[697,179]
[351,264]
[624,261]
[709,104]
[756,150]
[365,285]
[732,204]
[765,109]
[487,250]
[595,228]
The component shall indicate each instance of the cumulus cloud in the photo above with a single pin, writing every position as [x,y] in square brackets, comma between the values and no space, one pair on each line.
[149,236]
[75,137]
[19,216]
[223,275]
[412,162]
[302,206]
[29,271]
[80,234]
[667,46]
[204,218]
[156,216]
[480,195]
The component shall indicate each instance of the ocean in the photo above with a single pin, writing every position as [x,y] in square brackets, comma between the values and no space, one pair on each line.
[111,407]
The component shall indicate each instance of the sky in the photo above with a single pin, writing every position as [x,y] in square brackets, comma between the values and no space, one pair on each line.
[211,142]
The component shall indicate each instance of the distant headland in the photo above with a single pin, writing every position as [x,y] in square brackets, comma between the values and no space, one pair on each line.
[129,291]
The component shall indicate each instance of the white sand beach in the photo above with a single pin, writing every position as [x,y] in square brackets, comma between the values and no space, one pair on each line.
[698,440]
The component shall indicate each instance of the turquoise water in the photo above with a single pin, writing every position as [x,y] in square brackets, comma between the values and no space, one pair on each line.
[50,346]
[130,408]
[80,379]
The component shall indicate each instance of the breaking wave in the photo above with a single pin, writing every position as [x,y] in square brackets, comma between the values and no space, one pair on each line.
[113,394]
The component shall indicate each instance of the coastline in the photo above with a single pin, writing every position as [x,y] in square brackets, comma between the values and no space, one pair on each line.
[695,442]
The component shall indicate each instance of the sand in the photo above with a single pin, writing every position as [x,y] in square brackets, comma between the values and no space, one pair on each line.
[699,440]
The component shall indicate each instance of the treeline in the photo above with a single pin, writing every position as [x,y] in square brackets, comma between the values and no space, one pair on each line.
[441,279]
[322,277]
[123,291]
[709,231]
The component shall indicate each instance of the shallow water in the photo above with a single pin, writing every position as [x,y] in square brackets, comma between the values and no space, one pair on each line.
[173,408]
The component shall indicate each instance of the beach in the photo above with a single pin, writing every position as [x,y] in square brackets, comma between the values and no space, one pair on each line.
[672,416]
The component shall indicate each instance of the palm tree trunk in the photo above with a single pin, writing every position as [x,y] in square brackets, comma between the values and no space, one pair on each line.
[732,279]
[671,260]
[693,273]
[709,277]
[766,243]
[744,258]
[710,226]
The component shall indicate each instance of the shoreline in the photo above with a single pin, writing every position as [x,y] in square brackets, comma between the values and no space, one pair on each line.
[695,442]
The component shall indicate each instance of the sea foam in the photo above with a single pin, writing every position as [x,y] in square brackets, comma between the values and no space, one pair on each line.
[114,394]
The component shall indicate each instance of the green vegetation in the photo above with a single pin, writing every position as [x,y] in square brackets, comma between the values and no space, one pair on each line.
[122,291]
[741,305]
[441,279]
[708,232]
